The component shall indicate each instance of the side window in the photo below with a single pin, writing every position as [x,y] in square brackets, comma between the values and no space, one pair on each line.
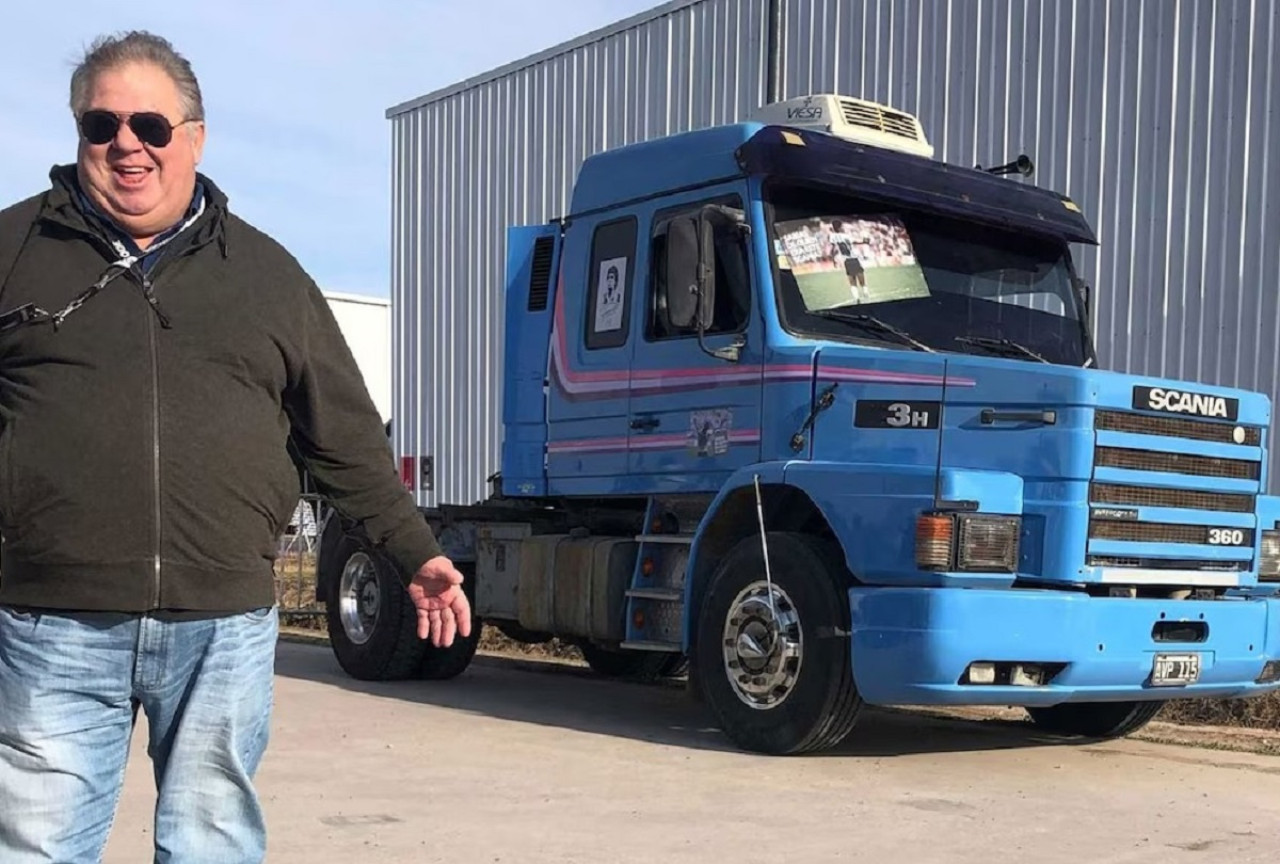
[609,282]
[733,278]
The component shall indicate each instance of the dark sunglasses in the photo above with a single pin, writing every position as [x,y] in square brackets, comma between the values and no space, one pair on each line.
[100,126]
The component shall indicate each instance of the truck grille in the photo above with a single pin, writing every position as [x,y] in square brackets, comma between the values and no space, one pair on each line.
[1179,482]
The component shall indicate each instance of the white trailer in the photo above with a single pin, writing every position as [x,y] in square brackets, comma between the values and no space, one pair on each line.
[366,325]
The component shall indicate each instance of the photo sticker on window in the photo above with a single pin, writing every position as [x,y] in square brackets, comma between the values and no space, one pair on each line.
[847,260]
[610,294]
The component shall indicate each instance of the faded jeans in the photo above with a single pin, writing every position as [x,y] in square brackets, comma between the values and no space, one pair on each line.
[70,687]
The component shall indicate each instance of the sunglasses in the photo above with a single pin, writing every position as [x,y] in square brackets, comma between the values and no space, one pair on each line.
[100,126]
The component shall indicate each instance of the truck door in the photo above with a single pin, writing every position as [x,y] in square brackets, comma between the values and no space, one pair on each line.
[694,417]
[589,381]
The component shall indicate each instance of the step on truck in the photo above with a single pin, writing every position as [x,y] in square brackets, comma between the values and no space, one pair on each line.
[794,407]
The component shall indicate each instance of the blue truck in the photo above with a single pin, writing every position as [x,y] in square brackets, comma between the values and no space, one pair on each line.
[799,410]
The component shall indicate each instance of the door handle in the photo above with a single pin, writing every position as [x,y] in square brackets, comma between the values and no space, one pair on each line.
[1044,418]
[645,423]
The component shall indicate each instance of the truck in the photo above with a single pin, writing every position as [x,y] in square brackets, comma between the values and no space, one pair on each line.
[799,410]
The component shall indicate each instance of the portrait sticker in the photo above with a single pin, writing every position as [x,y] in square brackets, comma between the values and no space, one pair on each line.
[611,292]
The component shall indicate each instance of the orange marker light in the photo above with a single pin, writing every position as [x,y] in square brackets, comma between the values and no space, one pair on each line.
[935,536]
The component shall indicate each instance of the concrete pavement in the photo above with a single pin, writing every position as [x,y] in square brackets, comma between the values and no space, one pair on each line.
[509,765]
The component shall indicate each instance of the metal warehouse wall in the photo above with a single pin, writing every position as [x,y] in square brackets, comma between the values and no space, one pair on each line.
[1158,116]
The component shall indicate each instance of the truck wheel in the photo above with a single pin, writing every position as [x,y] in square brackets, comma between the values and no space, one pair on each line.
[778,680]
[373,626]
[439,664]
[1095,719]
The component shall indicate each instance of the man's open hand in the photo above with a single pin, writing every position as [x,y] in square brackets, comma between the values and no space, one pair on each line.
[443,609]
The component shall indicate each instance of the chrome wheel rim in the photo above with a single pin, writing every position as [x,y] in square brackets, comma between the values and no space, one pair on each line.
[359,599]
[763,647]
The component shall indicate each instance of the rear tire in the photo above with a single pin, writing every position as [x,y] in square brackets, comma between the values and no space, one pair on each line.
[439,664]
[774,693]
[1095,719]
[373,625]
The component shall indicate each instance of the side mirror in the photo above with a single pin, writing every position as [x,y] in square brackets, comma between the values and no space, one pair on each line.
[691,272]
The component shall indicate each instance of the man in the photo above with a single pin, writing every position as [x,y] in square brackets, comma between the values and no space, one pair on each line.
[157,354]
[844,255]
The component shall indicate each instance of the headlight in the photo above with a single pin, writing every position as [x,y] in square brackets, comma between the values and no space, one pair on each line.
[968,541]
[1269,564]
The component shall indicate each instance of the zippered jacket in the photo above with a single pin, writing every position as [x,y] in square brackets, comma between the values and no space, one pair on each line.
[144,461]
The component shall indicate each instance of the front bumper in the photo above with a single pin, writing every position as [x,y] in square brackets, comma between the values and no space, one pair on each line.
[911,646]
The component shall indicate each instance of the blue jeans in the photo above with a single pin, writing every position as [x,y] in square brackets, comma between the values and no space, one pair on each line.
[70,687]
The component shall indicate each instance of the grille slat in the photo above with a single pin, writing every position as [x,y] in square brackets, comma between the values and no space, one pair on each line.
[1176,427]
[1159,532]
[1185,499]
[1177,463]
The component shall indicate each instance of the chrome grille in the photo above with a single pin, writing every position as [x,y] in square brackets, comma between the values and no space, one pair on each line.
[1177,427]
[1177,463]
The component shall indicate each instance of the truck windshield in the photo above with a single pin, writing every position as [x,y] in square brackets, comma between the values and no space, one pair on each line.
[947,283]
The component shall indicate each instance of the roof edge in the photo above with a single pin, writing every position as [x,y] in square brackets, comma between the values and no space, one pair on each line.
[660,11]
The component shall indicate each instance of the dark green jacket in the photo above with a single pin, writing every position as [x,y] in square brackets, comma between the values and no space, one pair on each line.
[143,441]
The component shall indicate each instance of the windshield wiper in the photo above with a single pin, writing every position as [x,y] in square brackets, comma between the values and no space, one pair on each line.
[870,322]
[1007,345]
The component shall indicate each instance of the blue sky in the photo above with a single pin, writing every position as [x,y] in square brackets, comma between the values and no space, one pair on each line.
[295,94]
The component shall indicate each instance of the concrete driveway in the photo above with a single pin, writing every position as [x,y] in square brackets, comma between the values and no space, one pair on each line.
[505,764]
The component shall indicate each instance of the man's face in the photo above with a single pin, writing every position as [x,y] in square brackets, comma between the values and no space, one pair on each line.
[146,189]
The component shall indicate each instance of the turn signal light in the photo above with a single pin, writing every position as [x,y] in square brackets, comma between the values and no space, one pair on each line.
[935,538]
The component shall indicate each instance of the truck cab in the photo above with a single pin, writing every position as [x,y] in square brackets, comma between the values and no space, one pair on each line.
[799,405]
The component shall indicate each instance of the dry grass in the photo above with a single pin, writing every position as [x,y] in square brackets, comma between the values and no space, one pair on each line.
[295,589]
[1260,713]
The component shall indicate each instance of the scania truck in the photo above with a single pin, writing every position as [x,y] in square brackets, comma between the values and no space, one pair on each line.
[796,407]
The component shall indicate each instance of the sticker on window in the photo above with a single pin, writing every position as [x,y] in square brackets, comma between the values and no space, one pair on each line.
[844,260]
[610,294]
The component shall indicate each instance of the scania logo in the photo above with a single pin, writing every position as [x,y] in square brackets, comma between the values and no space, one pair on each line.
[1172,401]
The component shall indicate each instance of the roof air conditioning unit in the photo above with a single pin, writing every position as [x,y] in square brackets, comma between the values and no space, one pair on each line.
[853,119]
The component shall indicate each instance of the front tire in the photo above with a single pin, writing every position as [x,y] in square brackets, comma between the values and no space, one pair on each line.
[1095,719]
[778,677]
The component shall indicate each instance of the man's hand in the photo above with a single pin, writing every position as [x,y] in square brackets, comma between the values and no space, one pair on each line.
[443,609]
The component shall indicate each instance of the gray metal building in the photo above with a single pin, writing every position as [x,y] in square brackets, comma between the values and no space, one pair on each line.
[1161,118]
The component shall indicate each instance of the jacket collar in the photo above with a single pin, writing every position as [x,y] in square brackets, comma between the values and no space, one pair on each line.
[68,205]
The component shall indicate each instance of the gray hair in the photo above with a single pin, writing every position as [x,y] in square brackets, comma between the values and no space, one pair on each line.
[136,46]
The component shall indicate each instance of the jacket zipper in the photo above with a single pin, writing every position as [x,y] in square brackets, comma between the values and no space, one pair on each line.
[155,434]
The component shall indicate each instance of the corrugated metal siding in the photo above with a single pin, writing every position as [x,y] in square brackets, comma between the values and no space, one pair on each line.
[505,150]
[1159,117]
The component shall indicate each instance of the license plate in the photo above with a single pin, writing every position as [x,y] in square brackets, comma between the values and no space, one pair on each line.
[1175,670]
